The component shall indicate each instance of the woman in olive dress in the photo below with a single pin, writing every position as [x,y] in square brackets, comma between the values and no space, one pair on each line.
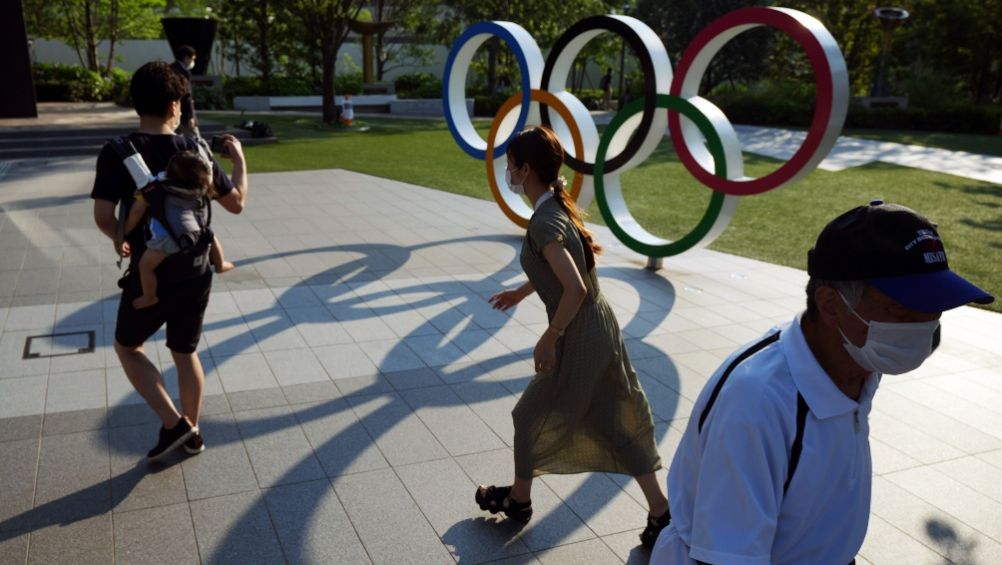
[584,411]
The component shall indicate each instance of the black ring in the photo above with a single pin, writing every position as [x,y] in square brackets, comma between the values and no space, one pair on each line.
[620,28]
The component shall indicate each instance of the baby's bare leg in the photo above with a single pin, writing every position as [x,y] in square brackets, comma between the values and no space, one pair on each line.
[216,256]
[148,278]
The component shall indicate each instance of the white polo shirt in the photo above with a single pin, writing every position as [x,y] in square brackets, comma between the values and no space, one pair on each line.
[725,486]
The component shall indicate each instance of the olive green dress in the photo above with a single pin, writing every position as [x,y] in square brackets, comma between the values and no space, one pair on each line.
[590,413]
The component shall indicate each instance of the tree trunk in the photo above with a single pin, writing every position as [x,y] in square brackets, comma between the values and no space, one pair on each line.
[329,115]
[113,28]
[263,49]
[90,38]
[492,65]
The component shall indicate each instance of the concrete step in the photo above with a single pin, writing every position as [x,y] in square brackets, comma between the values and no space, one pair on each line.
[62,143]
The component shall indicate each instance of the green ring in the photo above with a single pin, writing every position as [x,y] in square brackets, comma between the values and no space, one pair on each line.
[684,107]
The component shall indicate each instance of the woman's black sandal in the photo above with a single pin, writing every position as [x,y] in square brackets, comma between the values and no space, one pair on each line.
[653,529]
[498,499]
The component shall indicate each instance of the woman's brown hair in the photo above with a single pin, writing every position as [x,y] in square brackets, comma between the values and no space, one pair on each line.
[540,148]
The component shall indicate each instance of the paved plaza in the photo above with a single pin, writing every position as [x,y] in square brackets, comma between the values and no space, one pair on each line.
[359,386]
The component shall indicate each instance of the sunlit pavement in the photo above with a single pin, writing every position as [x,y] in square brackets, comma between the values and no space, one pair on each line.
[359,386]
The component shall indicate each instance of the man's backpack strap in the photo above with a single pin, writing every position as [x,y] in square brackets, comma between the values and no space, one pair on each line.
[133,161]
[802,408]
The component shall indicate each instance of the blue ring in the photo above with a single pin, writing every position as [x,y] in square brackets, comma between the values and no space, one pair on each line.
[491,28]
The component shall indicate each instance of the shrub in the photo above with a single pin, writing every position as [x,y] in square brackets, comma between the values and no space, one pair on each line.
[119,89]
[348,83]
[418,85]
[56,82]
[210,98]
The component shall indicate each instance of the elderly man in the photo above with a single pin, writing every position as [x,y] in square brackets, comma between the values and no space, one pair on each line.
[774,466]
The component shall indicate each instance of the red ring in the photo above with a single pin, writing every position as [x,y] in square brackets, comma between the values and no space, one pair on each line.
[823,99]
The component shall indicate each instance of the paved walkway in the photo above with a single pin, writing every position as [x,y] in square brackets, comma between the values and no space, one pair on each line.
[359,386]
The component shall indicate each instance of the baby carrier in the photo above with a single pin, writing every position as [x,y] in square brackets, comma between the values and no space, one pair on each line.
[155,190]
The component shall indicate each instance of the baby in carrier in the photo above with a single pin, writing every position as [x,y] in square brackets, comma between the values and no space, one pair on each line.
[188,185]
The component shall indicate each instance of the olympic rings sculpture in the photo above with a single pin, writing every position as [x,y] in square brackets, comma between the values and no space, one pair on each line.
[703,138]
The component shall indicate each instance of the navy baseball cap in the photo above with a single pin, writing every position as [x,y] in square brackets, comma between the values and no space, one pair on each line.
[896,250]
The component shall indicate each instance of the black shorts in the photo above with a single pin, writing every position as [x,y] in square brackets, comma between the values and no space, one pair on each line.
[181,307]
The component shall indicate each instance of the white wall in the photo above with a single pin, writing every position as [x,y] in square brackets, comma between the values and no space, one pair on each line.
[131,54]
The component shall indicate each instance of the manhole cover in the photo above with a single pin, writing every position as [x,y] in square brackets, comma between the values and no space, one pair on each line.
[57,345]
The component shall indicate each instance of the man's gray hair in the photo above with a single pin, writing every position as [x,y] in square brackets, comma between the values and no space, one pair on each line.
[853,292]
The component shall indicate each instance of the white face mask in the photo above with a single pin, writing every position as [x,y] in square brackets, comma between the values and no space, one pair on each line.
[516,188]
[892,348]
[190,65]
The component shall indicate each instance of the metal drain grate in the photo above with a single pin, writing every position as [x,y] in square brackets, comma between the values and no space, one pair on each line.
[58,345]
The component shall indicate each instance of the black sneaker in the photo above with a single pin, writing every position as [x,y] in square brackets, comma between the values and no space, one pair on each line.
[171,439]
[194,445]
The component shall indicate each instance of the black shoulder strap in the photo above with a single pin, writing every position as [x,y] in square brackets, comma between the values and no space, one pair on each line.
[802,408]
[798,440]
[727,372]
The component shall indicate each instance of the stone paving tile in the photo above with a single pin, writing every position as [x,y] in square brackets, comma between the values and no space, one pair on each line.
[886,544]
[39,317]
[249,371]
[20,427]
[274,331]
[235,529]
[12,362]
[277,446]
[400,434]
[553,522]
[24,396]
[73,473]
[309,393]
[80,390]
[493,404]
[14,549]
[413,378]
[345,360]
[931,526]
[391,355]
[18,463]
[89,541]
[445,495]
[155,536]
[73,421]
[954,497]
[340,442]
[312,525]
[135,482]
[317,327]
[590,551]
[386,519]
[626,546]
[597,500]
[223,468]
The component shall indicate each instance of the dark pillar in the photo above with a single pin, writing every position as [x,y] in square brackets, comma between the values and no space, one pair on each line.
[17,97]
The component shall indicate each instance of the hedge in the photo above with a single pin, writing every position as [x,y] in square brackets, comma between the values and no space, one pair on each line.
[56,82]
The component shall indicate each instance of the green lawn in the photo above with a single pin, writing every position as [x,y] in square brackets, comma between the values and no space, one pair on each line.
[983,144]
[778,226]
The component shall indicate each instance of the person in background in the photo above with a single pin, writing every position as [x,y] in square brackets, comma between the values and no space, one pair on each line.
[185,56]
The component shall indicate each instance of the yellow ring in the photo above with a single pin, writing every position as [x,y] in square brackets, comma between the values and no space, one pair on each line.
[552,101]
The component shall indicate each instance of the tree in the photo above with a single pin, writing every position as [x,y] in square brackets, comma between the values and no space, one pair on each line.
[83,24]
[677,22]
[545,20]
[326,23]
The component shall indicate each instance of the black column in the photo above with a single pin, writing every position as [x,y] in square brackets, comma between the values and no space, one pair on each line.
[17,97]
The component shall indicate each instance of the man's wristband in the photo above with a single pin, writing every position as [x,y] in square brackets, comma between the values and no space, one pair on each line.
[559,333]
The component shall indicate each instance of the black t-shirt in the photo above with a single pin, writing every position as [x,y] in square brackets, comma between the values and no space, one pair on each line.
[114,184]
